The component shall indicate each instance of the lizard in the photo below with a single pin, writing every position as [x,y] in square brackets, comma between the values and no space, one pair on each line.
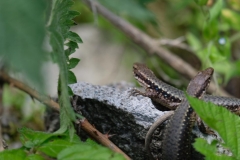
[171,97]
[176,143]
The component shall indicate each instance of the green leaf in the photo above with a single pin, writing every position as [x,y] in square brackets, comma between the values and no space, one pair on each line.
[214,54]
[210,30]
[30,138]
[203,147]
[201,2]
[72,48]
[216,10]
[194,42]
[70,92]
[18,154]
[232,18]
[72,44]
[22,36]
[74,37]
[220,119]
[73,14]
[224,46]
[71,78]
[34,157]
[54,147]
[73,62]
[85,151]
[209,150]
[227,69]
[59,25]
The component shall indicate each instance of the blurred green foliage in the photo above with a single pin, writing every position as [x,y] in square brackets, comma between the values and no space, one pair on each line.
[211,28]
[41,145]
[22,31]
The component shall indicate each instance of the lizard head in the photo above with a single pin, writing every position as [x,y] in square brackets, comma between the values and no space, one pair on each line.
[142,74]
[199,84]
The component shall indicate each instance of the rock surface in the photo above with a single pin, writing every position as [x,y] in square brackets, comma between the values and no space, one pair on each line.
[113,109]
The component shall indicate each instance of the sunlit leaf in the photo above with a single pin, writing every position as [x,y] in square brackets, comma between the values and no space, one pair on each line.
[209,150]
[85,151]
[18,154]
[30,138]
[54,147]
[34,157]
[221,120]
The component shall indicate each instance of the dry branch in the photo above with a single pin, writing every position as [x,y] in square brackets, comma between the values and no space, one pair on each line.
[86,126]
[150,45]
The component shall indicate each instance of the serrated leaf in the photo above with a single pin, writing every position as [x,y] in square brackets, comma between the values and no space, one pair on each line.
[220,119]
[22,36]
[72,48]
[203,147]
[71,78]
[74,37]
[54,147]
[84,151]
[59,26]
[73,63]
[72,44]
[73,14]
[18,154]
[30,138]
[209,150]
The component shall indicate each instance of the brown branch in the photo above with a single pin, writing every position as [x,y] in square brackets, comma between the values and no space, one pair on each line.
[85,125]
[1,112]
[93,132]
[177,43]
[33,93]
[150,45]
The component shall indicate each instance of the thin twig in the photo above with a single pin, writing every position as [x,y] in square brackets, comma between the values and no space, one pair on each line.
[93,132]
[150,45]
[33,93]
[1,112]
[85,125]
[177,43]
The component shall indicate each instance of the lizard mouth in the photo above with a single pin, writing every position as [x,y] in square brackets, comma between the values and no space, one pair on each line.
[141,79]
